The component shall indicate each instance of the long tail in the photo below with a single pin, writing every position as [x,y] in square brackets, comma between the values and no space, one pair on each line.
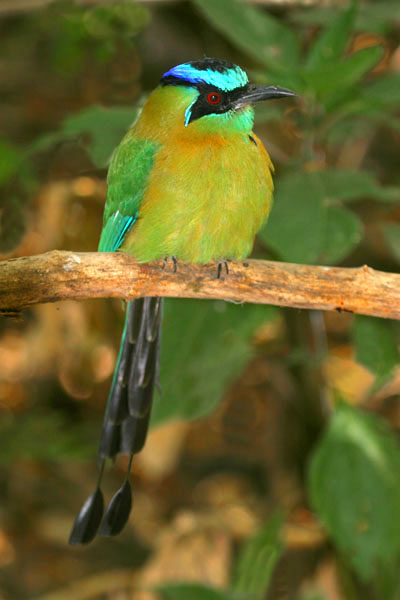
[127,416]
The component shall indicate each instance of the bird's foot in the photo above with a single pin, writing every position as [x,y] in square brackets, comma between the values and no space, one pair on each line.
[174,260]
[220,264]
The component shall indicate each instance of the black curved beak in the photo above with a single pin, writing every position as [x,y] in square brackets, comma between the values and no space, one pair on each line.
[257,93]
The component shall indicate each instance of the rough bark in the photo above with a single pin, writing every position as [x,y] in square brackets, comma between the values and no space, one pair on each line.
[61,275]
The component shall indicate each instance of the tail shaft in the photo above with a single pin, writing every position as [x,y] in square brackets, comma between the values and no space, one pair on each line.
[129,405]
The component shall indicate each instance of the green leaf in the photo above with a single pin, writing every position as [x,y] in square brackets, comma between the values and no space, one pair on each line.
[10,161]
[191,591]
[296,227]
[360,115]
[354,486]
[375,345]
[306,226]
[343,232]
[258,558]
[348,185]
[98,128]
[331,81]
[345,184]
[105,127]
[392,236]
[384,90]
[348,74]
[45,142]
[254,31]
[332,42]
[217,338]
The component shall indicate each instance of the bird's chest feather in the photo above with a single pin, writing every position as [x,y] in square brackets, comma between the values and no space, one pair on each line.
[204,201]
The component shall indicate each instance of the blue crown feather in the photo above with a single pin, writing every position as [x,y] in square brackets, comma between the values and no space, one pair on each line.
[226,78]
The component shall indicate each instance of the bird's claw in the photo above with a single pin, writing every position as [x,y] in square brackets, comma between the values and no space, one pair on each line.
[220,264]
[174,260]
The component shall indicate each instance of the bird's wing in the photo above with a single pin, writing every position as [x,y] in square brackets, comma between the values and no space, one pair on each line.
[127,180]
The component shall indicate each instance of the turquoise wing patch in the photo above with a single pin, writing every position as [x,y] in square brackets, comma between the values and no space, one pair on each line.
[114,232]
[127,181]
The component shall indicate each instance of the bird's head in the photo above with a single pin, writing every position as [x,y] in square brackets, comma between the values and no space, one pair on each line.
[216,95]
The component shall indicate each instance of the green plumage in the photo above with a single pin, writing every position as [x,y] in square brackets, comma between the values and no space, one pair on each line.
[128,174]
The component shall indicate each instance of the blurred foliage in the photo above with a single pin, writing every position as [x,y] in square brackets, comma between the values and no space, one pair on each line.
[194,592]
[84,128]
[329,82]
[214,360]
[13,165]
[379,17]
[66,37]
[255,564]
[71,32]
[251,573]
[255,32]
[10,161]
[359,458]
[336,202]
[22,437]
[375,345]
[392,235]
[12,223]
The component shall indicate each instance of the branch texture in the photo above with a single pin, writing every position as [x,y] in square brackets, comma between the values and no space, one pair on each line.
[64,275]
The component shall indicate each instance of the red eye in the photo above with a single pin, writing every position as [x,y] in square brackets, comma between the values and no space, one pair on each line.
[213,98]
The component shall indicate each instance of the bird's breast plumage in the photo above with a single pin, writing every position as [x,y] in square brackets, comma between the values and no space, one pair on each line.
[205,200]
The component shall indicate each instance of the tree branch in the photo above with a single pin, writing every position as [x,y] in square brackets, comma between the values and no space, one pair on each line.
[68,275]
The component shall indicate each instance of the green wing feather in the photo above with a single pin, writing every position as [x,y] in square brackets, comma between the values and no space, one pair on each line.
[127,180]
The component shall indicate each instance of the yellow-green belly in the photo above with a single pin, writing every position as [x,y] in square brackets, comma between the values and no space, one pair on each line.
[204,202]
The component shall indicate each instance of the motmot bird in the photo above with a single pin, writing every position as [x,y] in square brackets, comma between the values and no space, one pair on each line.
[192,182]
